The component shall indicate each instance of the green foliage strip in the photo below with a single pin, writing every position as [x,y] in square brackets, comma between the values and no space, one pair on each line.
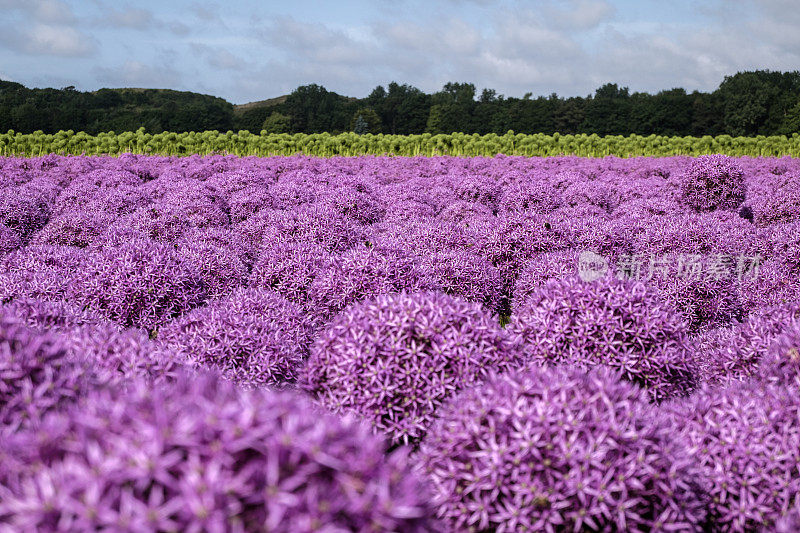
[245,143]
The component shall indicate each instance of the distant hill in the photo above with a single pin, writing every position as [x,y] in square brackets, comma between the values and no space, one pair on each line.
[271,102]
[121,109]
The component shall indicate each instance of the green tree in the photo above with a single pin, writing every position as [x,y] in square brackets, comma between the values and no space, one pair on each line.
[277,123]
[366,120]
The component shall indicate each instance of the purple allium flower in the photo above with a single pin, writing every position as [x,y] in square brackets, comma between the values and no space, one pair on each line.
[421,236]
[169,218]
[227,238]
[509,242]
[781,363]
[254,336]
[46,315]
[37,375]
[598,194]
[785,240]
[26,208]
[530,193]
[396,358]
[540,269]
[476,188]
[9,240]
[776,199]
[789,523]
[355,204]
[200,455]
[249,201]
[712,183]
[739,354]
[362,273]
[43,272]
[609,322]
[769,283]
[314,224]
[465,275]
[73,228]
[119,355]
[557,449]
[220,270]
[460,211]
[746,440]
[141,284]
[706,300]
[289,268]
[113,192]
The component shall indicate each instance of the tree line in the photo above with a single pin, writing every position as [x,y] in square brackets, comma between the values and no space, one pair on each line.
[748,103]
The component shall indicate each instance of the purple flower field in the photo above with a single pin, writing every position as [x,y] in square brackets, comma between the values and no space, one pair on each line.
[399,344]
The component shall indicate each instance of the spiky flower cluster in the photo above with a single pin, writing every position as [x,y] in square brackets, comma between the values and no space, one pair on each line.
[746,440]
[739,354]
[37,375]
[533,194]
[254,336]
[43,272]
[43,315]
[781,363]
[26,208]
[362,273]
[141,284]
[117,356]
[557,449]
[9,240]
[462,274]
[779,199]
[712,183]
[74,228]
[609,322]
[200,455]
[789,523]
[540,269]
[394,359]
[289,268]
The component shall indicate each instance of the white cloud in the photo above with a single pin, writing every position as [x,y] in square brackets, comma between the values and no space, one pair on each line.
[47,39]
[137,74]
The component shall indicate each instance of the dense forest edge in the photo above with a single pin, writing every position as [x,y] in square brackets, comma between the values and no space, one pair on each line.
[752,103]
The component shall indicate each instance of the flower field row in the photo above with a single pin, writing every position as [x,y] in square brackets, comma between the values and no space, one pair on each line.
[502,343]
[244,143]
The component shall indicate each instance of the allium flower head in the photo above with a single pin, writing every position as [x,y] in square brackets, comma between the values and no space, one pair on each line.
[781,363]
[37,375]
[394,359]
[465,275]
[141,284]
[539,269]
[9,240]
[746,440]
[44,315]
[43,272]
[289,268]
[26,208]
[609,322]
[556,449]
[200,455]
[739,354]
[530,193]
[713,182]
[254,336]
[362,273]
[73,228]
[789,523]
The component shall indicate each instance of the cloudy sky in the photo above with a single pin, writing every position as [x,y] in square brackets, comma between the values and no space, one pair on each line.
[252,50]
